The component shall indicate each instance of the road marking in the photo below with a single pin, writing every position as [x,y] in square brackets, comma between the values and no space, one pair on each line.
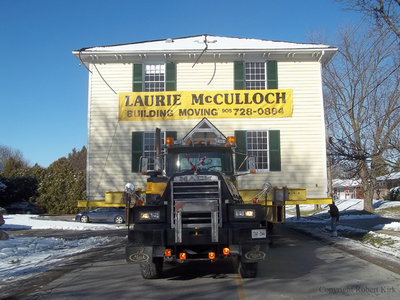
[239,282]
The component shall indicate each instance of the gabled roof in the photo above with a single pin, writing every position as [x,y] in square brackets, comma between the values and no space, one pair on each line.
[198,42]
[391,176]
[207,44]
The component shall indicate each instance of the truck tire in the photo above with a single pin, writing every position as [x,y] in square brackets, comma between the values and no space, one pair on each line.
[248,270]
[153,269]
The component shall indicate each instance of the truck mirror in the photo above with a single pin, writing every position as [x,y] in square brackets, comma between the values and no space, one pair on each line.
[129,188]
[252,163]
[144,162]
[158,164]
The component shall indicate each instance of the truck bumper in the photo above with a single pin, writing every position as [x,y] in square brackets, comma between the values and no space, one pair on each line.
[250,243]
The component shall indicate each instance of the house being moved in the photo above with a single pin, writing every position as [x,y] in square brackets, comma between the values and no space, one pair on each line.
[266,93]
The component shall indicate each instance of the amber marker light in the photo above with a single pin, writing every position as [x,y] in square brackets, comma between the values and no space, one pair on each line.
[230,140]
[211,255]
[255,200]
[169,141]
[168,252]
[182,256]
[226,251]
[190,142]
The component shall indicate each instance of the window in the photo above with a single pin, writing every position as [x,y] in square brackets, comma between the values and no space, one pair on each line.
[264,145]
[255,75]
[144,145]
[257,146]
[149,146]
[154,78]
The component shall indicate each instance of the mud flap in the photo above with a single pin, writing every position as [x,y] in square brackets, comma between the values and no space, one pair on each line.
[139,254]
[254,253]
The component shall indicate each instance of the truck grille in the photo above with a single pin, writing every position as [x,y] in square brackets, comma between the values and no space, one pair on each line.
[195,203]
[200,191]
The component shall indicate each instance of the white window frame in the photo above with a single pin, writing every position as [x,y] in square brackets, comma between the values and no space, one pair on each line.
[154,76]
[257,145]
[252,78]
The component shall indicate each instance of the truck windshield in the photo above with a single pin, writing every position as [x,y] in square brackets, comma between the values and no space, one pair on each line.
[199,161]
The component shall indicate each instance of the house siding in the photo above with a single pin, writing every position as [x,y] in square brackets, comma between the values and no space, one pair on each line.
[303,157]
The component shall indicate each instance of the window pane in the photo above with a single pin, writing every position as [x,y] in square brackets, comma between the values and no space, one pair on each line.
[154,78]
[255,75]
[257,146]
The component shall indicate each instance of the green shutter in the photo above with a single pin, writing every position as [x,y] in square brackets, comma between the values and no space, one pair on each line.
[137,85]
[241,149]
[137,150]
[239,75]
[170,77]
[272,74]
[274,150]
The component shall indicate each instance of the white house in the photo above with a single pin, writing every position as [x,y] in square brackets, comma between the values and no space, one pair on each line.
[266,93]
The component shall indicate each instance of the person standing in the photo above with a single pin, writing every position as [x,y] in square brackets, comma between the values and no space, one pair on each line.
[334,212]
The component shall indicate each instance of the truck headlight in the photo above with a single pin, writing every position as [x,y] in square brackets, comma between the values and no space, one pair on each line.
[244,213]
[149,215]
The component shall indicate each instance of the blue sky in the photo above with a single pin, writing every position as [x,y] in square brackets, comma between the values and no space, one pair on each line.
[43,90]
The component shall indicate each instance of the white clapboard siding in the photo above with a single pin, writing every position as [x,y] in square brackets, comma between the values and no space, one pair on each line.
[302,136]
[204,76]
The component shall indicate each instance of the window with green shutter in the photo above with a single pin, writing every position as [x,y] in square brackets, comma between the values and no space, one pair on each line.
[274,150]
[272,74]
[255,75]
[154,77]
[137,150]
[170,81]
[144,145]
[241,150]
[137,85]
[238,75]
[263,145]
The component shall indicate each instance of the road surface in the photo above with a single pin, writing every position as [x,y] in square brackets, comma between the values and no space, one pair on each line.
[298,267]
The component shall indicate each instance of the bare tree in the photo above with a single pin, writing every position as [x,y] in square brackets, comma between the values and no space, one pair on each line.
[384,12]
[7,152]
[362,104]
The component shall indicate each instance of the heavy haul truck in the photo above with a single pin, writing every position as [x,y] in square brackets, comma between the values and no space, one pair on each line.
[193,210]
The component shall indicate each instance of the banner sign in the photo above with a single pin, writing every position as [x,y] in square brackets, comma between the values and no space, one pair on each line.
[179,105]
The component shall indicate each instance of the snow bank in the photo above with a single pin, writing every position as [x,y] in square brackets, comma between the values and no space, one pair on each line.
[27,256]
[39,222]
[22,257]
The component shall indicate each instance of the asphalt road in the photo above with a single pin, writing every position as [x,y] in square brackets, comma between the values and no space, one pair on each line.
[298,267]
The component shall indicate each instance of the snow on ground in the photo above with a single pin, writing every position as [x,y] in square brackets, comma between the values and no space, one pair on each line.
[350,212]
[22,257]
[41,222]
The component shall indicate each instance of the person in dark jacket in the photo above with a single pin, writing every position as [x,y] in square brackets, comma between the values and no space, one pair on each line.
[334,212]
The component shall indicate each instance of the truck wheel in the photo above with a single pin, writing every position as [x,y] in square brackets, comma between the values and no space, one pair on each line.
[152,270]
[248,270]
